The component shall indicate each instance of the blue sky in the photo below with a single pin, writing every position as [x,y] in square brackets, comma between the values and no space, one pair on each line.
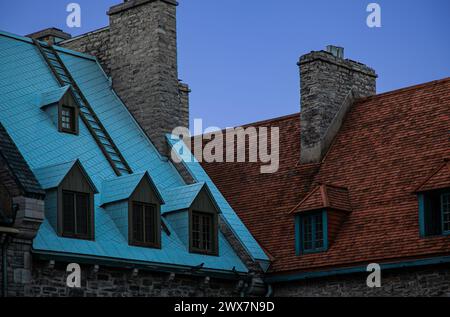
[239,57]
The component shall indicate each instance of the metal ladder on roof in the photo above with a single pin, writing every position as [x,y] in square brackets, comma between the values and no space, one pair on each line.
[87,114]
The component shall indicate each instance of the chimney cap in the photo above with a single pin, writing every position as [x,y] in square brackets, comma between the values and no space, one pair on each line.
[50,33]
[336,51]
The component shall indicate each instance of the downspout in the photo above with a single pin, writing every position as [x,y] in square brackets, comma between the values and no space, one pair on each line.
[5,239]
[269,290]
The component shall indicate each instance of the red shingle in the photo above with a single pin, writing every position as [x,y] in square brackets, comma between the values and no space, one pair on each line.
[438,179]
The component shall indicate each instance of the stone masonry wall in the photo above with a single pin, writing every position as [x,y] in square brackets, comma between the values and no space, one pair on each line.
[110,282]
[427,281]
[18,266]
[94,43]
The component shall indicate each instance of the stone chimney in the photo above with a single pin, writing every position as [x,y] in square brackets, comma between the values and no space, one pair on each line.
[138,50]
[143,66]
[329,86]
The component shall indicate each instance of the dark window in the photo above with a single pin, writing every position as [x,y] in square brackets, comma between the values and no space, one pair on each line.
[203,232]
[76,215]
[312,232]
[5,205]
[68,119]
[445,207]
[436,213]
[144,225]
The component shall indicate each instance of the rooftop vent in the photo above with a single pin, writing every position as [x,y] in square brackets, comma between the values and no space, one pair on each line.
[336,51]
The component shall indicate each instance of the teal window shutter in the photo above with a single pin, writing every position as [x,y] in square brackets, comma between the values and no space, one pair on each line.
[421,215]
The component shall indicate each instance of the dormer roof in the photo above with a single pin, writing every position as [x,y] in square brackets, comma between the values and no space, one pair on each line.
[121,188]
[325,197]
[52,97]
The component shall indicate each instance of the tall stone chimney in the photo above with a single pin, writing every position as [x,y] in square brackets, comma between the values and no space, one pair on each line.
[329,86]
[138,50]
[143,62]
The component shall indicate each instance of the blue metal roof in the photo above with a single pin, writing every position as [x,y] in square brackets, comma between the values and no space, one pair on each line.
[53,96]
[24,76]
[181,198]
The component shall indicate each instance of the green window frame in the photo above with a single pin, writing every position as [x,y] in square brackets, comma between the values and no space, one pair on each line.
[311,232]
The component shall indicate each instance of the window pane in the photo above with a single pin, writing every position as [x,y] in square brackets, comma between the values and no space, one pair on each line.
[319,232]
[206,232]
[67,118]
[433,214]
[312,232]
[196,231]
[446,211]
[138,223]
[150,224]
[82,214]
[307,233]
[68,213]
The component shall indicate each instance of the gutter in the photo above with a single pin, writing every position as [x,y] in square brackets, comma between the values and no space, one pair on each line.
[356,269]
[131,264]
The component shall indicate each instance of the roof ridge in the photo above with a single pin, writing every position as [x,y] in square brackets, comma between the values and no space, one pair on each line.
[58,48]
[405,89]
[255,123]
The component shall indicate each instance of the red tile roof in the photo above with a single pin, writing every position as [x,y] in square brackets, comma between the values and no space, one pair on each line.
[438,179]
[387,147]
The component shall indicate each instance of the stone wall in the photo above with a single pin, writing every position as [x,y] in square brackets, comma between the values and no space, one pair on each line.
[425,281]
[50,281]
[94,43]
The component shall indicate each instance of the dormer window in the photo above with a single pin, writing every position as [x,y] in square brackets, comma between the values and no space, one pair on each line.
[145,225]
[134,203]
[435,212]
[61,107]
[76,215]
[312,232]
[69,201]
[319,217]
[434,202]
[194,205]
[68,119]
[202,232]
